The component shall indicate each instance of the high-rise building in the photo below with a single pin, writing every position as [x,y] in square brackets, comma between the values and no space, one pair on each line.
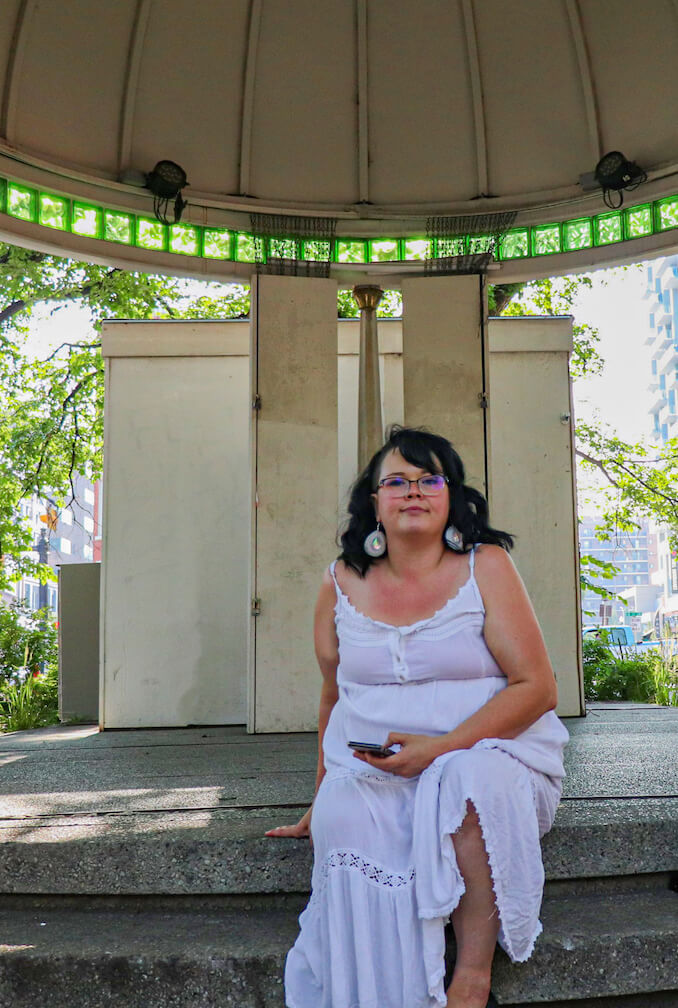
[662,297]
[73,536]
[630,553]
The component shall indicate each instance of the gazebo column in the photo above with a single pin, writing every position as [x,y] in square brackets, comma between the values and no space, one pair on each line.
[370,419]
[294,435]
[444,364]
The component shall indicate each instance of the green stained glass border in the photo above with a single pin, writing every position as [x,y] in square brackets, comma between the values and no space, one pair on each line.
[90,220]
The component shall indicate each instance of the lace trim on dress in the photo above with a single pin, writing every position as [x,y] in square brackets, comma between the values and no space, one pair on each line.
[374,873]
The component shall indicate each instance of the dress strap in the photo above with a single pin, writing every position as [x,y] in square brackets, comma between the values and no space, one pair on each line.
[334,578]
[472,558]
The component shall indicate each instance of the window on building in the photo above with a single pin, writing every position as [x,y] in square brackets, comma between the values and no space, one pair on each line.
[88,523]
[65,545]
[87,552]
[89,496]
[66,516]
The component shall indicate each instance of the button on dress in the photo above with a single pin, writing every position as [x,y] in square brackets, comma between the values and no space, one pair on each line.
[385,876]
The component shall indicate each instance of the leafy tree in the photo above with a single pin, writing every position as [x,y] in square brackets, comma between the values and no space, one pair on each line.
[51,411]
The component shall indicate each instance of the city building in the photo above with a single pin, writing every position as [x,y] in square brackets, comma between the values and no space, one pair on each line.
[630,552]
[662,297]
[73,535]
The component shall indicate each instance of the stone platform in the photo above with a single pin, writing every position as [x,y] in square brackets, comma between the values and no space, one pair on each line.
[135,870]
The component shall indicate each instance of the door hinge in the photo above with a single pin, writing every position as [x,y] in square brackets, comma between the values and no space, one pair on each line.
[256,402]
[482,397]
[256,606]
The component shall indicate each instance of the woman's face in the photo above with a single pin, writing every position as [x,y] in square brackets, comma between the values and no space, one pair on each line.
[415,512]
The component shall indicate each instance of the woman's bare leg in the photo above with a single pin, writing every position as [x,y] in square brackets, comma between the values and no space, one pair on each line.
[475,921]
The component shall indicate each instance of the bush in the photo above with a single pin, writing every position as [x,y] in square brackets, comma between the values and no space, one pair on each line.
[28,641]
[28,646]
[641,678]
[33,703]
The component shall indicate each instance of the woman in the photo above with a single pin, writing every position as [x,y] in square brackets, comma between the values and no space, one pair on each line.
[427,643]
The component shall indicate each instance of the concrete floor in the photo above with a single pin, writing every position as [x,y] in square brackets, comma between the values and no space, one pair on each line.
[618,751]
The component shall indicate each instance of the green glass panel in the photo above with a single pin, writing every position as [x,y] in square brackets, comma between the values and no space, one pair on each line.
[245,251]
[577,234]
[282,248]
[3,195]
[118,227]
[638,221]
[317,251]
[216,244]
[21,202]
[478,244]
[417,248]
[445,248]
[515,245]
[151,234]
[546,239]
[86,220]
[184,239]
[53,212]
[351,251]
[667,213]
[608,228]
[384,250]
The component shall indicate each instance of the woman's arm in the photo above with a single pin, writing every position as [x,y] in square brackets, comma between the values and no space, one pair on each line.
[327,653]
[513,636]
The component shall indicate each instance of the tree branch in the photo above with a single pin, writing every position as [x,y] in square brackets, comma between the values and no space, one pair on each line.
[599,465]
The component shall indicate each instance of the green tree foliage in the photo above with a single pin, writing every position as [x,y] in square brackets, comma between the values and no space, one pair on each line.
[51,411]
[28,642]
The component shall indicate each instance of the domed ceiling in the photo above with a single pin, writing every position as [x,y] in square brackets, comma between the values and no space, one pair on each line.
[376,113]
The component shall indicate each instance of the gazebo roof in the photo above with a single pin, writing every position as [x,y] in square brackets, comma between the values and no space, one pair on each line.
[378,114]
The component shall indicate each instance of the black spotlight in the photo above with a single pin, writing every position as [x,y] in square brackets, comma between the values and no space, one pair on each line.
[614,173]
[166,182]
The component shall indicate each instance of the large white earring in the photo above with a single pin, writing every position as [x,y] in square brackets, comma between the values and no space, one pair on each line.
[375,543]
[454,539]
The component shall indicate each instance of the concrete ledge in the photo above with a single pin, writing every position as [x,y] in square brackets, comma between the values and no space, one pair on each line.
[213,957]
[225,851]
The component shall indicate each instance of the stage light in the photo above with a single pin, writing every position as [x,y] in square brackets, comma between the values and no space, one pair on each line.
[615,174]
[166,182]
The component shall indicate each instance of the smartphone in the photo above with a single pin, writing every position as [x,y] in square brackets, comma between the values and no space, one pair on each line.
[373,748]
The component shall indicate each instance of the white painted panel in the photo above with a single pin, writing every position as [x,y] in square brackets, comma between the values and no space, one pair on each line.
[391,375]
[532,492]
[443,364]
[295,334]
[176,542]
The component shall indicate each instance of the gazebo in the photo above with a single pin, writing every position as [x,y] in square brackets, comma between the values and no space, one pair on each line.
[435,147]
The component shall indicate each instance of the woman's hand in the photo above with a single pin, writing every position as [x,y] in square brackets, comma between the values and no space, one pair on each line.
[417,752]
[300,829]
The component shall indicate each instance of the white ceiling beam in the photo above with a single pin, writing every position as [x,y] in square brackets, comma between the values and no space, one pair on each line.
[476,97]
[130,91]
[15,61]
[586,79]
[247,116]
[363,104]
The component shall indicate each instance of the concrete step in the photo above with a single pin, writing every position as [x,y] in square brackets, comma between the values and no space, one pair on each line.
[225,851]
[211,953]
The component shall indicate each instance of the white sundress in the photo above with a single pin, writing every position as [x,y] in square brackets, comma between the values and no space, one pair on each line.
[385,876]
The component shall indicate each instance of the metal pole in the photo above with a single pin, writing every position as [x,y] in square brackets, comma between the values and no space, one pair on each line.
[370,419]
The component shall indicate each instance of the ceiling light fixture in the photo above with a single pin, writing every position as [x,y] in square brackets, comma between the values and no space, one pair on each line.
[166,182]
[615,174]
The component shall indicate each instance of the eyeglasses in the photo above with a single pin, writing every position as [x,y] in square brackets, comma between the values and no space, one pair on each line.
[398,486]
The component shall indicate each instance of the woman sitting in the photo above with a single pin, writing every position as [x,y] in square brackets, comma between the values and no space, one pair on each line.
[429,646]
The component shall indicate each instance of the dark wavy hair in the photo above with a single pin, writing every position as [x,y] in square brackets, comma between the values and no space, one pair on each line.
[468,508]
